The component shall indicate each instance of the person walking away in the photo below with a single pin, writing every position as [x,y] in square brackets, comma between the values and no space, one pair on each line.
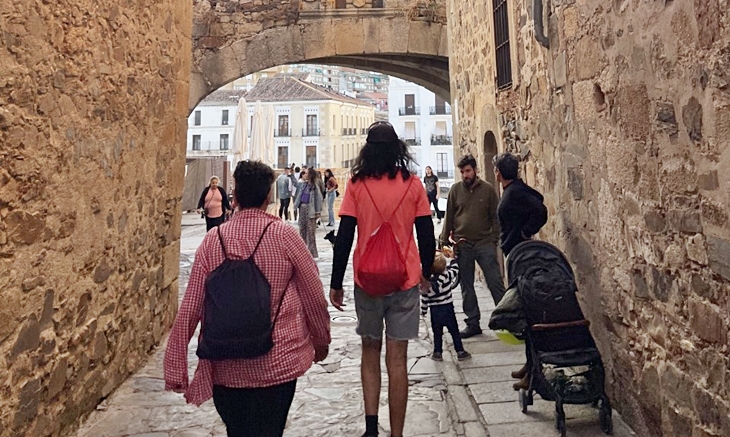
[444,279]
[331,187]
[213,204]
[471,217]
[309,204]
[283,191]
[252,395]
[521,214]
[293,175]
[384,201]
[431,182]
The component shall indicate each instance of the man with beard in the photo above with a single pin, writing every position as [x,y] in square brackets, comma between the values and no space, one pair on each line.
[471,220]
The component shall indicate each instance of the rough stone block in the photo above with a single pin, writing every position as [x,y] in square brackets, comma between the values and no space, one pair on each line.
[29,337]
[171,264]
[708,181]
[634,111]
[588,59]
[583,104]
[718,252]
[57,380]
[666,118]
[560,70]
[655,221]
[685,221]
[29,402]
[696,250]
[24,228]
[706,407]
[692,118]
[355,43]
[707,322]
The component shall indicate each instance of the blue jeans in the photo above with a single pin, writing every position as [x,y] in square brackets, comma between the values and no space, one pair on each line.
[485,254]
[331,206]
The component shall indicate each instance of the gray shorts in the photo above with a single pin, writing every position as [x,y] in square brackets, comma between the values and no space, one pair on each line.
[400,311]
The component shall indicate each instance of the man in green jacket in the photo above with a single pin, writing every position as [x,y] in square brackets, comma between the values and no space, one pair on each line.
[471,220]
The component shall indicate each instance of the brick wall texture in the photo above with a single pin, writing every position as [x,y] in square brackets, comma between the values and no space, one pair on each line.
[624,124]
[93,106]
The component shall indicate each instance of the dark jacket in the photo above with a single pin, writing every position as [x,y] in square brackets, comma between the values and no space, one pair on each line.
[226,204]
[521,214]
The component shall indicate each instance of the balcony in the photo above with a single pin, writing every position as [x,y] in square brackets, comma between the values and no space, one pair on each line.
[409,111]
[445,174]
[311,133]
[349,131]
[439,110]
[364,131]
[412,141]
[281,133]
[442,140]
[349,163]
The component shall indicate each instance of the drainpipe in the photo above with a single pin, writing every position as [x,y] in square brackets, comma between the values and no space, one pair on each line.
[540,35]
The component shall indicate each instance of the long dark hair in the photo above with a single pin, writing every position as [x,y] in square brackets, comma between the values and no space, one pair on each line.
[378,159]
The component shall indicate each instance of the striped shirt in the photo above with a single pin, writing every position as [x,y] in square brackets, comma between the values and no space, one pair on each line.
[301,325]
[441,287]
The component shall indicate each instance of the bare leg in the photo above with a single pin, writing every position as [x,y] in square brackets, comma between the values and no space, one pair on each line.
[370,374]
[396,357]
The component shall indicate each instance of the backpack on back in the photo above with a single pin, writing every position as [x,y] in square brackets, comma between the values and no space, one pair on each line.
[382,268]
[237,310]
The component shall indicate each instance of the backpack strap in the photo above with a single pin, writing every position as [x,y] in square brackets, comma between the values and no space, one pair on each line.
[261,238]
[223,246]
[396,208]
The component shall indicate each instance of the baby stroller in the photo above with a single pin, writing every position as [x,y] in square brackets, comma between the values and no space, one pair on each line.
[563,362]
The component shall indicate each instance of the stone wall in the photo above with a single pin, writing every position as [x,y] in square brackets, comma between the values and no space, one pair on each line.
[624,123]
[93,106]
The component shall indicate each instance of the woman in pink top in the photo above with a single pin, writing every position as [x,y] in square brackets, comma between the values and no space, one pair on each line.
[383,189]
[214,204]
[253,395]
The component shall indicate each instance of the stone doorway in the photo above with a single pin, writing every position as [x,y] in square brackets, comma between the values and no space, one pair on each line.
[490,151]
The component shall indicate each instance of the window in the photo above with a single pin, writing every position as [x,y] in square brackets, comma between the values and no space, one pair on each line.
[224,117]
[311,156]
[283,130]
[311,125]
[196,142]
[197,118]
[501,44]
[441,163]
[282,156]
[224,141]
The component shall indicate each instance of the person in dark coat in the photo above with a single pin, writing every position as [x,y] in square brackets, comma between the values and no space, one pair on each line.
[521,211]
[521,214]
[214,204]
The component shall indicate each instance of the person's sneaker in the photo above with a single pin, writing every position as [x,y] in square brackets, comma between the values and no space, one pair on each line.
[519,374]
[470,331]
[463,355]
[437,356]
[522,384]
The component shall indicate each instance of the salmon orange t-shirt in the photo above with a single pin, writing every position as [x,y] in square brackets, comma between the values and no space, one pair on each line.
[402,216]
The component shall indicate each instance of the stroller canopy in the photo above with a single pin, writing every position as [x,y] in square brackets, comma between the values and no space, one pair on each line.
[535,253]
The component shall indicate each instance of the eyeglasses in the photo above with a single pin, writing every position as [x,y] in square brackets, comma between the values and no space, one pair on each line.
[377,123]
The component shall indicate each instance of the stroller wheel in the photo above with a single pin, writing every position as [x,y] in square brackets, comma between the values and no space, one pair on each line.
[524,401]
[604,415]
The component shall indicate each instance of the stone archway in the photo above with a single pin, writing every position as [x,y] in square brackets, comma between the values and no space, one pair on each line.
[490,150]
[227,45]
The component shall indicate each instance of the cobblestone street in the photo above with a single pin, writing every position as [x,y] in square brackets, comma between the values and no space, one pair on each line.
[446,399]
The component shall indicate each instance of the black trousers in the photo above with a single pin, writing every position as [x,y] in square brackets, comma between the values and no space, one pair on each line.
[254,412]
[210,223]
[284,208]
[432,199]
[442,316]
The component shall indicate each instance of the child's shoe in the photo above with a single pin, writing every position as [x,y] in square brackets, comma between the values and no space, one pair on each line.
[437,356]
[463,355]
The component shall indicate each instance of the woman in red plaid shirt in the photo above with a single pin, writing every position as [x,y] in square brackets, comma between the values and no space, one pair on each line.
[253,396]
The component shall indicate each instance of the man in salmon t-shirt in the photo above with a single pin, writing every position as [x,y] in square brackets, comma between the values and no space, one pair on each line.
[383,189]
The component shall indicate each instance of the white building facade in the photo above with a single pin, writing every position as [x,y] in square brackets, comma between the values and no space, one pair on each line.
[423,120]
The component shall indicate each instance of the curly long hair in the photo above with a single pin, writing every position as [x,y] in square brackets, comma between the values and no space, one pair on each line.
[378,159]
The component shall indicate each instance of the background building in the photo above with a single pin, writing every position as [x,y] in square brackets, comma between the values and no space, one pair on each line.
[314,126]
[423,120]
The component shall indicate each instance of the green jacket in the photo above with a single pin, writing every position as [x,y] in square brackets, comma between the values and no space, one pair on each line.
[471,213]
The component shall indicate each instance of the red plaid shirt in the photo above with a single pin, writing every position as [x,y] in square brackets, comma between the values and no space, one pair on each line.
[302,323]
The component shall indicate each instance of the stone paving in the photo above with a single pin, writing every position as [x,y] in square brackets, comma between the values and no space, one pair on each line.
[467,399]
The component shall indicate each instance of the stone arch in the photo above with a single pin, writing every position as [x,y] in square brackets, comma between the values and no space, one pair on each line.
[383,40]
[489,151]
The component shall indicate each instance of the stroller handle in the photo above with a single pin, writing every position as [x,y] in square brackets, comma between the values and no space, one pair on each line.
[549,326]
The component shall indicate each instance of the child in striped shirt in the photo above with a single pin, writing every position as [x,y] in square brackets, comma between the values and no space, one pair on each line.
[444,279]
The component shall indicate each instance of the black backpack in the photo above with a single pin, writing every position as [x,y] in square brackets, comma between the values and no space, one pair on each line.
[237,310]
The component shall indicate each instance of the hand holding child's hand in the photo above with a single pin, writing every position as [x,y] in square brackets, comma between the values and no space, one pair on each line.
[424,286]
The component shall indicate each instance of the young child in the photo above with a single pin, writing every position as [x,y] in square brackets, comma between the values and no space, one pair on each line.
[444,279]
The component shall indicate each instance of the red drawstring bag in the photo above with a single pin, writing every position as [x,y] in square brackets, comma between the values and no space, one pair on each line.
[382,268]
